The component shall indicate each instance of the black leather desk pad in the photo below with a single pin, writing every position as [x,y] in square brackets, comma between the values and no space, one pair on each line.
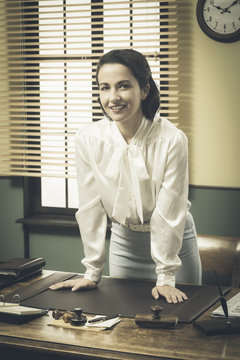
[117,296]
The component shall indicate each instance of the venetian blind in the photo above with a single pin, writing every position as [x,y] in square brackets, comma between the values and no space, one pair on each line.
[49,51]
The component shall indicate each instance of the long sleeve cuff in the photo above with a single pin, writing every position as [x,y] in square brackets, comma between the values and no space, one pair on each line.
[166,279]
[93,275]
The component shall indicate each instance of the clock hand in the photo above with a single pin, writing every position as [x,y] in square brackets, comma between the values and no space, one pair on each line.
[233,3]
[218,7]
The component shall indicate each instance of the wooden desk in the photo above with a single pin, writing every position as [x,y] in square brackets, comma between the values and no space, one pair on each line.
[37,340]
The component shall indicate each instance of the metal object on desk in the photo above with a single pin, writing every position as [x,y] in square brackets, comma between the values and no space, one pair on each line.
[155,320]
[214,326]
[75,317]
[79,319]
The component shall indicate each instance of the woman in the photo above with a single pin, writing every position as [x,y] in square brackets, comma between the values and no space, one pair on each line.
[132,166]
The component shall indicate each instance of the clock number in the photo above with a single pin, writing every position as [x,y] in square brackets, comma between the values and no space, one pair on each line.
[224,27]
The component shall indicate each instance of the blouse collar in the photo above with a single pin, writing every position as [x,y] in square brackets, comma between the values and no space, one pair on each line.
[127,166]
[139,135]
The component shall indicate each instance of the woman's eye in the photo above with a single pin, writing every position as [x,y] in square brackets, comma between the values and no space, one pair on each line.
[124,86]
[103,88]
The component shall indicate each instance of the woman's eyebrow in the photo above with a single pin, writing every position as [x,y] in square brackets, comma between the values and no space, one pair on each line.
[124,81]
[118,83]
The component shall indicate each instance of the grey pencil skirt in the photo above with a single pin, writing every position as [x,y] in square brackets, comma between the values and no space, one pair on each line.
[129,255]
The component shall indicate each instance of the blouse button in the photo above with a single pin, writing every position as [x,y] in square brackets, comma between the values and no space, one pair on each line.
[131,195]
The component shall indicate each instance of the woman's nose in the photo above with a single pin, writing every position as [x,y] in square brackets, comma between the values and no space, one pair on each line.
[114,95]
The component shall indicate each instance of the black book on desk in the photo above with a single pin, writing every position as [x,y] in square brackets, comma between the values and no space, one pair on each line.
[19,268]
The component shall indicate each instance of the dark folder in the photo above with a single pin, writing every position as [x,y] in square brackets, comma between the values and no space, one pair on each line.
[117,296]
[7,281]
[18,269]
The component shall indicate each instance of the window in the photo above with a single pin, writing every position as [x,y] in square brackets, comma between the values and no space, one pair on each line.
[52,49]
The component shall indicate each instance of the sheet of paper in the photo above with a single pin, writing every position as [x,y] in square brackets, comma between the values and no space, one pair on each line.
[233,308]
[104,324]
[97,326]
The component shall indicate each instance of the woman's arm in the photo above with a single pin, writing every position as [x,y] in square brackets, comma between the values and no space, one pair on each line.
[168,218]
[91,215]
[91,218]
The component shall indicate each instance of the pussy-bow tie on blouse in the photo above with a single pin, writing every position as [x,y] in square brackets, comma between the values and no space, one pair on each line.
[128,166]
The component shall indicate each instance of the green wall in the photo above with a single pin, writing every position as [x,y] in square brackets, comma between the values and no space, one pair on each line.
[216,212]
[11,208]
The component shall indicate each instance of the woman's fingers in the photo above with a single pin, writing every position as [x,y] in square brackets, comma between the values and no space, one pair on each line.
[155,293]
[171,294]
[84,284]
[75,285]
[62,284]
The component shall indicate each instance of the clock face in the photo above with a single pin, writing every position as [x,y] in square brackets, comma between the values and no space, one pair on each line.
[220,19]
[222,16]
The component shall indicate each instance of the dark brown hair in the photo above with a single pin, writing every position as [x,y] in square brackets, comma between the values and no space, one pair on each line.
[140,68]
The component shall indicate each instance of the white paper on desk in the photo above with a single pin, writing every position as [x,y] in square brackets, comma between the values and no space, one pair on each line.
[107,324]
[233,308]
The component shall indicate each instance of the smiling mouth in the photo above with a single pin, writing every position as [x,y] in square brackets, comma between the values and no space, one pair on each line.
[117,108]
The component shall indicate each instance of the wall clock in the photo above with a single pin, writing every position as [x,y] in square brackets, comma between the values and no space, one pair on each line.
[219,19]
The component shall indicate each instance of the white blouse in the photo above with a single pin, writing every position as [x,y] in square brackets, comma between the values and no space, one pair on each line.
[144,182]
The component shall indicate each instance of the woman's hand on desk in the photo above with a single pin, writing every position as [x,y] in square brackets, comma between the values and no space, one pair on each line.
[171,294]
[77,284]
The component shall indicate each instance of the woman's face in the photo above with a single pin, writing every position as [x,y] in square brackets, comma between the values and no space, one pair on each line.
[120,93]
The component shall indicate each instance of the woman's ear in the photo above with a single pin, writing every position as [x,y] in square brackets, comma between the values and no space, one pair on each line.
[145,91]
